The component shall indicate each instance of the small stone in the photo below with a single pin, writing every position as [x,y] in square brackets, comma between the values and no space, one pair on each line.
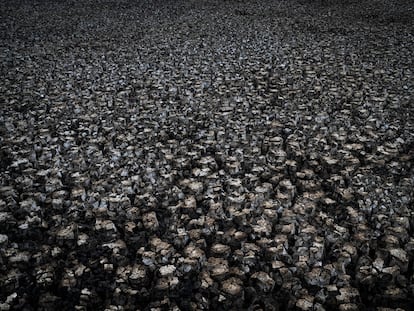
[317,277]
[194,252]
[79,193]
[67,233]
[220,249]
[265,282]
[3,239]
[106,225]
[108,267]
[232,286]
[190,203]
[167,270]
[206,280]
[196,187]
[167,283]
[115,246]
[305,303]
[148,258]
[348,307]
[218,267]
[328,201]
[399,253]
[24,226]
[11,298]
[347,294]
[20,257]
[82,239]
[330,160]
[138,274]
[263,226]
[150,221]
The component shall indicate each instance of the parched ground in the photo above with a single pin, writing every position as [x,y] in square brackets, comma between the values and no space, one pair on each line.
[206,155]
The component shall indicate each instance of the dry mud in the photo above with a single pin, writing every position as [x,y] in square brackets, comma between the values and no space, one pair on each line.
[206,155]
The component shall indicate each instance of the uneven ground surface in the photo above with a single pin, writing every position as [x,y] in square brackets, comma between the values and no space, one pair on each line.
[189,155]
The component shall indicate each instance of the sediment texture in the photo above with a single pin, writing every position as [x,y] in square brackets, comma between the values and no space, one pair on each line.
[206,155]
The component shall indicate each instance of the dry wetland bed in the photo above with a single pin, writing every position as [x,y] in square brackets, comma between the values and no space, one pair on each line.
[207,155]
